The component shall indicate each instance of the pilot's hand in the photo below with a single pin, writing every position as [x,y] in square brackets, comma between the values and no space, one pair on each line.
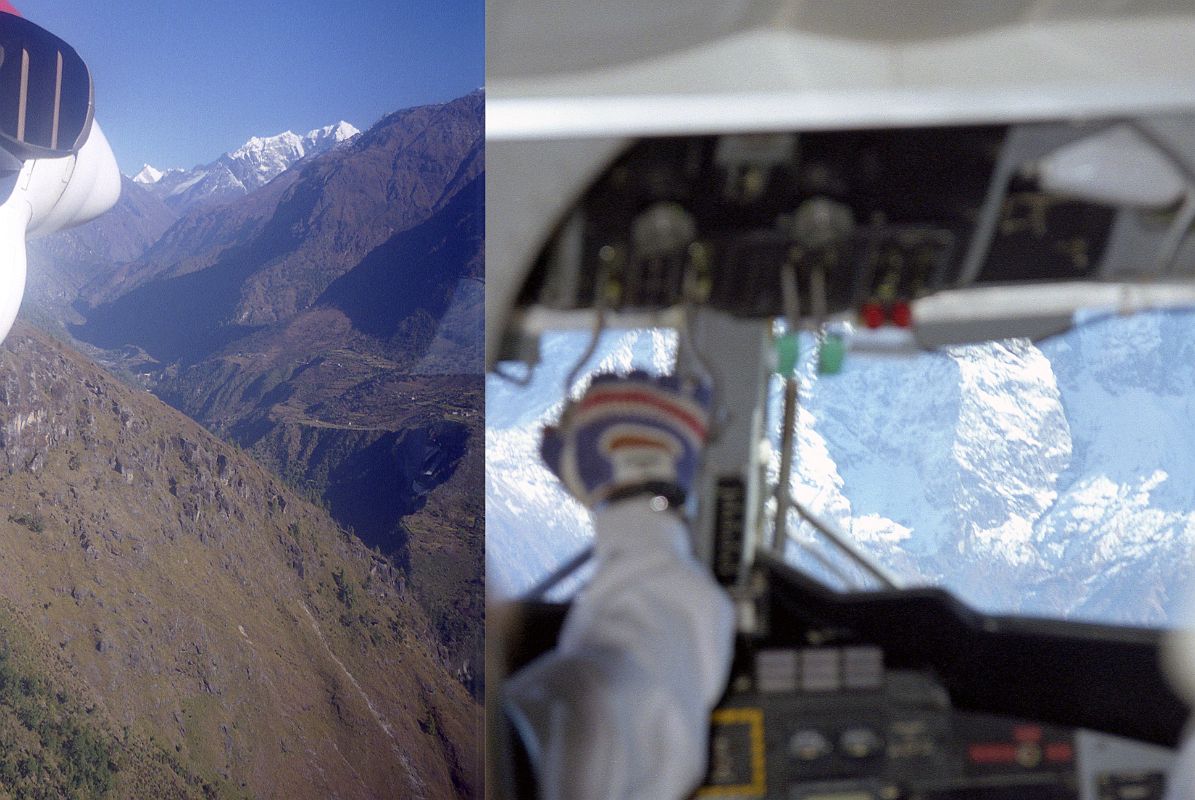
[628,436]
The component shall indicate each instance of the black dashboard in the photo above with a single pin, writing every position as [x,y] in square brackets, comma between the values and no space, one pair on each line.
[911,695]
[827,722]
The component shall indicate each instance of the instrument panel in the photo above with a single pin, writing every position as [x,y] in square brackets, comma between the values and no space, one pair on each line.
[864,220]
[831,723]
[912,695]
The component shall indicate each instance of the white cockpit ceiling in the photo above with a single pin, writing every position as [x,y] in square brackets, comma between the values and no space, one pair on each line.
[559,68]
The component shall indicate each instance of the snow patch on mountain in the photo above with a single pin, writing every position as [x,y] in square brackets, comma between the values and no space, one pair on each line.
[872,529]
[817,482]
[260,160]
[537,524]
[1126,560]
[321,139]
[1012,442]
[148,175]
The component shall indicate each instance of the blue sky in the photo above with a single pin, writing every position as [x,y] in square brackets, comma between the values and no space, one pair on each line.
[179,83]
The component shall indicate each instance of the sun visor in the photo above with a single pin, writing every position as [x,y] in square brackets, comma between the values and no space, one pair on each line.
[46,92]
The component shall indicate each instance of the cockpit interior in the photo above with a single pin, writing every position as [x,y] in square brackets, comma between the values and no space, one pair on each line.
[656,191]
[917,238]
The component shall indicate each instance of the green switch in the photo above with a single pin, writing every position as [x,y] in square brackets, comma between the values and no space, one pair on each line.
[831,354]
[787,350]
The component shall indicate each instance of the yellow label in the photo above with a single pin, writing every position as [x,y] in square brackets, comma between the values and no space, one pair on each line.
[753,719]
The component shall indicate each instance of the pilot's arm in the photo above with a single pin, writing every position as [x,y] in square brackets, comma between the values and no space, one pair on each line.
[620,709]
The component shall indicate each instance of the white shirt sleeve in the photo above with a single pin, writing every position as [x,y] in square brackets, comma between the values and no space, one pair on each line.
[620,709]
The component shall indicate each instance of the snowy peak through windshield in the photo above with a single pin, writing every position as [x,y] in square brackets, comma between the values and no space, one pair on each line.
[1052,479]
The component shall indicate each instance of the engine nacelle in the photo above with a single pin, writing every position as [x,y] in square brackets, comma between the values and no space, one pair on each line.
[46,195]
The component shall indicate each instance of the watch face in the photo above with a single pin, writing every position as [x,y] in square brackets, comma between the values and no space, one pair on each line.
[46,93]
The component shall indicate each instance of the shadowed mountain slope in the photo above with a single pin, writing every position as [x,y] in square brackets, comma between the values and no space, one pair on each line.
[414,272]
[61,264]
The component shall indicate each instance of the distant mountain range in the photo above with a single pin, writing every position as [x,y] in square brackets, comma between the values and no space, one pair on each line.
[150,203]
[235,174]
[62,264]
[271,255]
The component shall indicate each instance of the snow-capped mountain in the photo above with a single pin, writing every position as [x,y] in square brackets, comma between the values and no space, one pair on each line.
[148,175]
[327,137]
[1054,479]
[236,173]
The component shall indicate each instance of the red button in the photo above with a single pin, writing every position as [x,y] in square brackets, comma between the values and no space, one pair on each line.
[872,315]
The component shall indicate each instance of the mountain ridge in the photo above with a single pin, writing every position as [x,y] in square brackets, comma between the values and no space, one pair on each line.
[283,245]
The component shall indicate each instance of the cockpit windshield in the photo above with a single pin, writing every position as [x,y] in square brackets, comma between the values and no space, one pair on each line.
[1052,479]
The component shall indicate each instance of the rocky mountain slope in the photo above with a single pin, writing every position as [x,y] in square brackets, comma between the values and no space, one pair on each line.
[56,740]
[221,635]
